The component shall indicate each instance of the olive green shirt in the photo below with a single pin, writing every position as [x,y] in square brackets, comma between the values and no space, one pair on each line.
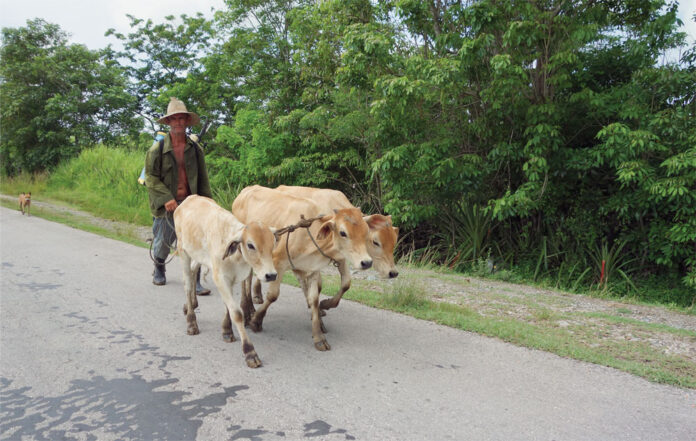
[162,190]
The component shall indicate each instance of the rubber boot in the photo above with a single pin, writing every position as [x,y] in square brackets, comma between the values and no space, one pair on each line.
[158,276]
[200,290]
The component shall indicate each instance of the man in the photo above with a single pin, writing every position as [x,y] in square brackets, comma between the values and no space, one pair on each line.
[172,173]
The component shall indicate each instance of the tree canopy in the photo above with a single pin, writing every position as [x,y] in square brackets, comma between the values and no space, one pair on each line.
[57,98]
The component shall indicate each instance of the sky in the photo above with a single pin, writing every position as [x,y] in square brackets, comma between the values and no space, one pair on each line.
[88,20]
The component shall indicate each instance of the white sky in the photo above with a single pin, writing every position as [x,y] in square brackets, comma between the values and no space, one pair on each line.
[88,20]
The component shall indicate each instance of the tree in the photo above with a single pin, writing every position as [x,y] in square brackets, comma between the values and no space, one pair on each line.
[553,115]
[161,59]
[57,98]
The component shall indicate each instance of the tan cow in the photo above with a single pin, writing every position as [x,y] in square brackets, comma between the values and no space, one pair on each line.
[380,244]
[339,235]
[210,235]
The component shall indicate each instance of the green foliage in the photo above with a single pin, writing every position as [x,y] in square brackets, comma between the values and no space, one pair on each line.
[405,295]
[611,262]
[57,98]
[158,57]
[104,181]
[468,232]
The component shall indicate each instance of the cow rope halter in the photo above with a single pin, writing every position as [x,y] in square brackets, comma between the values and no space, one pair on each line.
[303,223]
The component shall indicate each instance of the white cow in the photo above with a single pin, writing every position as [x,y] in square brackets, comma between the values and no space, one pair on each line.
[210,235]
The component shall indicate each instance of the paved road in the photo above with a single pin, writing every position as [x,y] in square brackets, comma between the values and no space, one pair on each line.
[91,350]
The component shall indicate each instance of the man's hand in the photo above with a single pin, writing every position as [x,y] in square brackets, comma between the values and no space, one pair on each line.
[170,206]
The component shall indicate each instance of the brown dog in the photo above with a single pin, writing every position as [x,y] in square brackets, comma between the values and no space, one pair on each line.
[25,203]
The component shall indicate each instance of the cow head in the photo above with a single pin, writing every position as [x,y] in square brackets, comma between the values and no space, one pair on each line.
[256,245]
[380,244]
[350,234]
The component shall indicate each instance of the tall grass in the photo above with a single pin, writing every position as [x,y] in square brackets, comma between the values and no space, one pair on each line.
[225,192]
[103,181]
[24,183]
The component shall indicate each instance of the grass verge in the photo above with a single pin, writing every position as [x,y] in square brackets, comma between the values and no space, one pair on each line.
[594,340]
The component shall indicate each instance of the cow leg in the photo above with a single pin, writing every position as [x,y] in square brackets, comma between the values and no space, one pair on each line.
[256,322]
[345,286]
[258,295]
[313,298]
[304,283]
[301,277]
[302,280]
[190,286]
[227,333]
[246,302]
[195,300]
[225,287]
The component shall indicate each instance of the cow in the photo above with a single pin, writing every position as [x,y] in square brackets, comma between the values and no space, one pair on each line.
[209,235]
[380,245]
[338,235]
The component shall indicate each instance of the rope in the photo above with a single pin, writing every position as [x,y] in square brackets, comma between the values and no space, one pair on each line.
[303,223]
[333,262]
[169,219]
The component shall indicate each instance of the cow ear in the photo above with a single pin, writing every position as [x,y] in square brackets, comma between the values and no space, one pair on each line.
[231,249]
[377,221]
[326,229]
[274,231]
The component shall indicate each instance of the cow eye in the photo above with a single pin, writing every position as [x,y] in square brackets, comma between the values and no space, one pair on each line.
[375,243]
[250,246]
[343,234]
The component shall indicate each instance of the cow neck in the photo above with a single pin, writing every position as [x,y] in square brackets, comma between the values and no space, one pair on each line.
[324,250]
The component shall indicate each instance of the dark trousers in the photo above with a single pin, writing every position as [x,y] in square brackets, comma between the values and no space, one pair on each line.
[164,235]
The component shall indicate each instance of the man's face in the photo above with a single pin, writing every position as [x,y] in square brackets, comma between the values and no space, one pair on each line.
[178,122]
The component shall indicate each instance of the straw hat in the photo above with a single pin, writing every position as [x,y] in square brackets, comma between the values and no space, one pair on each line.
[175,107]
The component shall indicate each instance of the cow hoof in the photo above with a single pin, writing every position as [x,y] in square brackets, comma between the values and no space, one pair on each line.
[322,345]
[257,299]
[323,305]
[255,326]
[253,360]
[192,330]
[228,337]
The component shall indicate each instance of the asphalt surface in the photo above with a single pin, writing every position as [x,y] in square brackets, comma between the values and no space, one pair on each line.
[91,350]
